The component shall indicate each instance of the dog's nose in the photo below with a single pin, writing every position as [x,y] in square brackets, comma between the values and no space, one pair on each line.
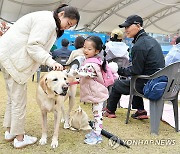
[65,88]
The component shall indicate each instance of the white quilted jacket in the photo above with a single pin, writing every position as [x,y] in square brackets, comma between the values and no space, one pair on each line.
[26,45]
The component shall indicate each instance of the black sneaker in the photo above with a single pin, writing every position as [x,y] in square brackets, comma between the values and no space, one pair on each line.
[140,114]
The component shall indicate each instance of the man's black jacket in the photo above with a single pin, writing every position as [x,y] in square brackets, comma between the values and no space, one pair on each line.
[147,56]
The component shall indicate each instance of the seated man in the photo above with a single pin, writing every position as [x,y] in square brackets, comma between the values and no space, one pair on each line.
[147,58]
[62,52]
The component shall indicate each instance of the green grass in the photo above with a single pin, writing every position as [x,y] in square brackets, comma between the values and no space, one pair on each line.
[71,142]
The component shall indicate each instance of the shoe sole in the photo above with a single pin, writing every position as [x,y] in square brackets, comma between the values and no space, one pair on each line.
[9,140]
[109,116]
[142,117]
[112,116]
[24,145]
[93,143]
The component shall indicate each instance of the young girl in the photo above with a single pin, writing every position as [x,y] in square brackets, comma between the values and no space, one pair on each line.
[92,89]
[23,48]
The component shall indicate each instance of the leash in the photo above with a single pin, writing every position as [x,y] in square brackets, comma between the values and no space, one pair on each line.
[72,83]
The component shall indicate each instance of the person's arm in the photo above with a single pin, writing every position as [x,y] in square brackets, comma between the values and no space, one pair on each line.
[72,56]
[41,32]
[137,66]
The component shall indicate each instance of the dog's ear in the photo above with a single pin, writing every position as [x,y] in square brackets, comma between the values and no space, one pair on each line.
[43,84]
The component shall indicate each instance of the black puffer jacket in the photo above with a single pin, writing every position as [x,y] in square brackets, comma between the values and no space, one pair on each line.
[147,56]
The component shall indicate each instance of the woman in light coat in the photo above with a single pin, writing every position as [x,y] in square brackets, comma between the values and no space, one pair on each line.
[23,48]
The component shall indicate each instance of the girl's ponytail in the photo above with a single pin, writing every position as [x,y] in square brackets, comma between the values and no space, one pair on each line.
[104,60]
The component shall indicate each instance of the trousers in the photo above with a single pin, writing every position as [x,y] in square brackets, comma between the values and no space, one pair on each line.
[16,105]
[97,113]
[122,87]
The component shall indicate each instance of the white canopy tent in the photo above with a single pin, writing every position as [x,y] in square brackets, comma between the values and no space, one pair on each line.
[160,16]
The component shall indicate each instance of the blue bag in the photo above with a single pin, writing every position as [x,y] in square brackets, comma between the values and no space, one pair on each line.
[154,88]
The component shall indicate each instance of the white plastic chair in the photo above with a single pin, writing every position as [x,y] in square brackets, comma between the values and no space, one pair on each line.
[171,94]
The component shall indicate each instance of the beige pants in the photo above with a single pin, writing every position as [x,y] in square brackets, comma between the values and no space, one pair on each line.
[16,105]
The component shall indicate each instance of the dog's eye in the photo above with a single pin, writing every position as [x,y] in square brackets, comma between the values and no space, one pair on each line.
[65,79]
[55,79]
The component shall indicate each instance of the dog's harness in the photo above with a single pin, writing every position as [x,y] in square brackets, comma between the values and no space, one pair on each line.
[72,83]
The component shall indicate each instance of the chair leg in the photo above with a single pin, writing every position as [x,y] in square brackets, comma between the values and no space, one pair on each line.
[38,74]
[175,108]
[156,110]
[129,108]
[33,77]
[119,105]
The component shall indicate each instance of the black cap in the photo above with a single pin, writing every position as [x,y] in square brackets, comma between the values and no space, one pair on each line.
[133,19]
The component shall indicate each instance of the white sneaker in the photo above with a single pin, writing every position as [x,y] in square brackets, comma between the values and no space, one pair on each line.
[9,137]
[27,140]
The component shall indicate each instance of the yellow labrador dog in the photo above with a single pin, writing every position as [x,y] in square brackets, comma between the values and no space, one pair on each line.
[53,89]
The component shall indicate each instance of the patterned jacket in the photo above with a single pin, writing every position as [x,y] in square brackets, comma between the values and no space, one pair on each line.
[92,89]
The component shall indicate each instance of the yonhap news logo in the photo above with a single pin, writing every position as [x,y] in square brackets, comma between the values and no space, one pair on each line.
[114,143]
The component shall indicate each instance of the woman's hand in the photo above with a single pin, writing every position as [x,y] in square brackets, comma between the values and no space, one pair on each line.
[57,67]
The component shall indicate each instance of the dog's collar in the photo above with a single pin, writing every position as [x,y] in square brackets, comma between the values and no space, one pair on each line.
[72,83]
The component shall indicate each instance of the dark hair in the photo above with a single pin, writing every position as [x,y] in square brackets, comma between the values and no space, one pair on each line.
[178,40]
[79,42]
[98,45]
[115,38]
[70,12]
[64,42]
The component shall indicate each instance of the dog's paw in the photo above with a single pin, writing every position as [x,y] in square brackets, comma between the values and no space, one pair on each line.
[66,125]
[54,144]
[62,120]
[71,128]
[43,141]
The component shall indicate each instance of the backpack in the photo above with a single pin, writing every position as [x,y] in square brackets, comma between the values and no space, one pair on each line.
[154,88]
[107,76]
